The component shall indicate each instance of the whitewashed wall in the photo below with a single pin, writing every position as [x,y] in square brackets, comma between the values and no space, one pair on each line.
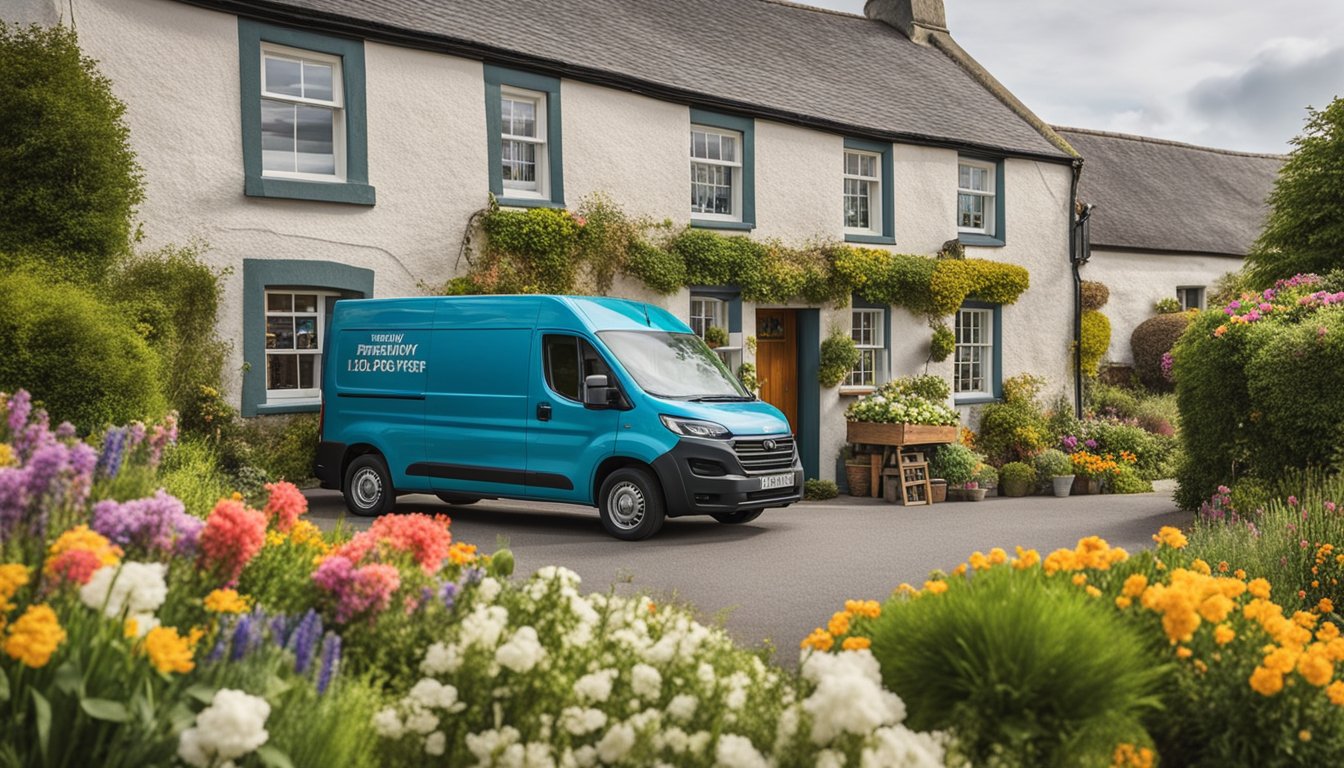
[1138,280]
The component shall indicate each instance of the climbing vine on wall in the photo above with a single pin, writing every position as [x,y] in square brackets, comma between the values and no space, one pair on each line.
[546,250]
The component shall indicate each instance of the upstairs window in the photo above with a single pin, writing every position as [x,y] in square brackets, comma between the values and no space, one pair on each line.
[976,193]
[522,143]
[716,173]
[302,115]
[524,148]
[863,193]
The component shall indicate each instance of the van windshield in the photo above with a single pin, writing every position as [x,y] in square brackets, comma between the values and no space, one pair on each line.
[674,365]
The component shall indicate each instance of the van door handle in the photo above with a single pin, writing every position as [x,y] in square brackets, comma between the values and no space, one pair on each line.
[543,411]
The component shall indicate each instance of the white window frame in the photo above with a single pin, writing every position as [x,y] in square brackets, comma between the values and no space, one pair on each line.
[292,396]
[872,321]
[1183,295]
[986,358]
[336,104]
[987,195]
[874,192]
[541,141]
[737,137]
[710,311]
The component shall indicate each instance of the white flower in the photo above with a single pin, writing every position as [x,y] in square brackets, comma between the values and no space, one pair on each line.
[705,674]
[483,626]
[435,744]
[585,756]
[579,721]
[673,738]
[428,692]
[698,743]
[422,721]
[735,751]
[557,573]
[899,747]
[441,659]
[849,697]
[579,636]
[143,623]
[486,744]
[682,707]
[787,727]
[387,724]
[829,758]
[595,686]
[522,652]
[232,726]
[646,682]
[615,743]
[489,589]
[131,588]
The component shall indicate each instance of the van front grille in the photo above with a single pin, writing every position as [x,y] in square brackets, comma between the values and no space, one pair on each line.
[768,454]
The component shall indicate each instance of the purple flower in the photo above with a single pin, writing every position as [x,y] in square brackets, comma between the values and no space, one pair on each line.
[65,431]
[20,406]
[114,451]
[1167,363]
[156,524]
[448,594]
[1292,501]
[13,499]
[1091,445]
[331,660]
[247,634]
[473,575]
[45,466]
[304,641]
[280,629]
[1070,443]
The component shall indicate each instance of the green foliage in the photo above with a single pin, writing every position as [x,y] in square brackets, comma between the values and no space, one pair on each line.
[1167,306]
[1152,339]
[1016,428]
[191,472]
[746,373]
[956,280]
[1113,436]
[1126,479]
[1215,411]
[1095,294]
[1109,400]
[603,240]
[285,447]
[660,270]
[528,251]
[716,336]
[1052,462]
[69,182]
[954,463]
[1227,287]
[996,660]
[1096,340]
[883,277]
[839,355]
[943,343]
[820,490]
[76,356]
[173,298]
[1305,229]
[1016,471]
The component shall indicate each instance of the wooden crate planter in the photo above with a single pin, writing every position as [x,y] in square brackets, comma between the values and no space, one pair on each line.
[891,438]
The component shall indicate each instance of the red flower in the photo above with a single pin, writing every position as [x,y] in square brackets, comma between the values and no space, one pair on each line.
[285,505]
[74,565]
[232,536]
[424,538]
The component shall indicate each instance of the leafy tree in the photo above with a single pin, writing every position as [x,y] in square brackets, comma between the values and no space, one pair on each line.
[1305,230]
[69,182]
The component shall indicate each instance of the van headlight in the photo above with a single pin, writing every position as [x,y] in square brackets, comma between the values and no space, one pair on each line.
[696,428]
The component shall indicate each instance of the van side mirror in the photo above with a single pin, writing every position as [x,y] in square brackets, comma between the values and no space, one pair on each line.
[597,392]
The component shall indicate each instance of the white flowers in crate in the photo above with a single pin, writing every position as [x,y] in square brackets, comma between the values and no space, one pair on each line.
[232,726]
[907,400]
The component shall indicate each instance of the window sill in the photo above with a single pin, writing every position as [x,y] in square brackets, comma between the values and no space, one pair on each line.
[529,202]
[301,406]
[870,239]
[856,391]
[350,192]
[740,226]
[984,241]
[975,400]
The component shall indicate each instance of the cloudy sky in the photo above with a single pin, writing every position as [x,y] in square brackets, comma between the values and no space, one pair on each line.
[1236,74]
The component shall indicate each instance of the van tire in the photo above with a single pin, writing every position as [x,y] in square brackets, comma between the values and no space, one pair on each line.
[630,504]
[457,499]
[368,486]
[737,518]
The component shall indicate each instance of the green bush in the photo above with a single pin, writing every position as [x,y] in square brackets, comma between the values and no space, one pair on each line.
[716,336]
[76,355]
[956,280]
[69,182]
[1017,472]
[1096,340]
[1114,436]
[1116,402]
[1152,339]
[172,298]
[954,463]
[529,251]
[839,355]
[284,447]
[1021,672]
[1126,479]
[1016,428]
[658,269]
[943,343]
[1095,295]
[1053,462]
[191,471]
[1167,306]
[820,490]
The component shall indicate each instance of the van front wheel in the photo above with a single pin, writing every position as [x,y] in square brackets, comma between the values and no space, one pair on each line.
[368,486]
[737,518]
[630,504]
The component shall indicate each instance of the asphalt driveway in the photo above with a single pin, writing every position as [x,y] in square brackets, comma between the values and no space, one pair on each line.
[776,578]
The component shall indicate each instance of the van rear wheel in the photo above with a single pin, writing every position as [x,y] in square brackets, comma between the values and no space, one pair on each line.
[368,486]
[630,504]
[737,518]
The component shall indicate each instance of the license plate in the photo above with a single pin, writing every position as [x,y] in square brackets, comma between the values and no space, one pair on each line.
[776,481]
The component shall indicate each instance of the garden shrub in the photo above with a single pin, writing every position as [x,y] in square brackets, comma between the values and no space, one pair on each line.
[1096,340]
[839,355]
[1126,479]
[954,463]
[1095,295]
[1021,671]
[1114,436]
[529,251]
[1014,429]
[1152,339]
[660,270]
[943,343]
[882,277]
[1167,306]
[191,472]
[284,447]
[76,355]
[956,280]
[1016,471]
[1111,401]
[69,182]
[1052,462]
[820,490]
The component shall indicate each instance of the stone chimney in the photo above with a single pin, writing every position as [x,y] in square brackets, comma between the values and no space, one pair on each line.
[916,18]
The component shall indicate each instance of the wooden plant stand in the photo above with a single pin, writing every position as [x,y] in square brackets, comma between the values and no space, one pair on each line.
[891,438]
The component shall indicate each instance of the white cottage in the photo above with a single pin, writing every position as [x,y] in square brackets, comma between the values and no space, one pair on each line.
[329,148]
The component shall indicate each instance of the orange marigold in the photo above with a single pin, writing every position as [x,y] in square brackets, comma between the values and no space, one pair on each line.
[1266,682]
[819,640]
[856,643]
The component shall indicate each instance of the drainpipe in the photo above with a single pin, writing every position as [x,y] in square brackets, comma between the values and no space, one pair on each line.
[1075,257]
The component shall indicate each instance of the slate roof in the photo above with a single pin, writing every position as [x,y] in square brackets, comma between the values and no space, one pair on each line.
[832,70]
[1160,195]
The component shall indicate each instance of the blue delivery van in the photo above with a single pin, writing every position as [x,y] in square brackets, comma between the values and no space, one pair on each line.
[595,401]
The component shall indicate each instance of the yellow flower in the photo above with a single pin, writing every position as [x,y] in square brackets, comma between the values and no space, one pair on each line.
[1259,588]
[1224,634]
[1199,566]
[935,587]
[978,561]
[1328,631]
[13,577]
[1281,660]
[1123,602]
[1316,669]
[1266,682]
[1304,735]
[6,455]
[309,535]
[1240,574]
[1183,653]
[1325,605]
[274,538]
[225,601]
[869,608]
[1335,691]
[820,640]
[1093,591]
[905,589]
[82,537]
[1223,566]
[960,570]
[856,643]
[131,628]
[839,623]
[1079,579]
[1134,585]
[1026,558]
[461,553]
[1216,608]
[997,556]
[1201,666]
[169,651]
[1171,537]
[34,637]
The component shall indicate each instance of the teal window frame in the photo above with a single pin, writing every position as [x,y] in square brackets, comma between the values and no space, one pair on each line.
[746,126]
[888,202]
[496,78]
[996,364]
[355,189]
[260,275]
[999,238]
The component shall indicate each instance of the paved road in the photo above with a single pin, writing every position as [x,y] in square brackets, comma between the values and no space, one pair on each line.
[778,577]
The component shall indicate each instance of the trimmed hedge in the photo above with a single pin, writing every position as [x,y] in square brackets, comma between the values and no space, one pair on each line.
[1152,339]
[1095,294]
[1096,340]
[77,356]
[956,280]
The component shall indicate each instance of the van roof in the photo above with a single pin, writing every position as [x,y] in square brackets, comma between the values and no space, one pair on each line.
[597,313]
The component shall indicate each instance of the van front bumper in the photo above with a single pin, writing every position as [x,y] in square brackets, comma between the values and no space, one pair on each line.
[691,487]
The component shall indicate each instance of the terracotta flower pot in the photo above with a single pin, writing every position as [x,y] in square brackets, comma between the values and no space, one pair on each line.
[859,478]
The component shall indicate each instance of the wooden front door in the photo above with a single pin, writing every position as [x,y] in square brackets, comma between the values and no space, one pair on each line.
[777,360]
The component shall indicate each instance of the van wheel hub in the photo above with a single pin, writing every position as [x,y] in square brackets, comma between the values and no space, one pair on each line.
[626,504]
[367,487]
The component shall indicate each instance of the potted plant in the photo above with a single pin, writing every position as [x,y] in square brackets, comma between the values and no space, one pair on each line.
[858,472]
[912,410]
[1088,470]
[1017,479]
[715,337]
[984,478]
[955,464]
[1055,466]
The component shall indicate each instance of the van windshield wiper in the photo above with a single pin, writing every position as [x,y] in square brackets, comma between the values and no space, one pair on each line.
[721,399]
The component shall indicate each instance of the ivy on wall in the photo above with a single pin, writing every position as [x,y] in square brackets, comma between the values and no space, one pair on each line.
[545,250]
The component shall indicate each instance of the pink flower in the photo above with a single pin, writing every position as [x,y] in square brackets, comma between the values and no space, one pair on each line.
[75,566]
[356,591]
[285,505]
[1329,506]
[232,536]
[1292,501]
[424,538]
